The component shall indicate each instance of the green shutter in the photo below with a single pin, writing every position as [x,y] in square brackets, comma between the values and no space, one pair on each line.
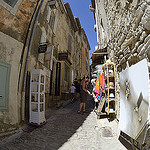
[69,43]
[11,2]
[4,85]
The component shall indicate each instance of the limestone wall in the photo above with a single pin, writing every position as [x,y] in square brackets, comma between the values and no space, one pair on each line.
[15,24]
[130,31]
[102,24]
[128,22]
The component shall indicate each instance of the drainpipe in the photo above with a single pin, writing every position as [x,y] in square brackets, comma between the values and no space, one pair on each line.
[26,41]
[27,59]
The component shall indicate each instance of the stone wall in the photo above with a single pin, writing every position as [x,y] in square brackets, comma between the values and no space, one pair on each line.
[102,24]
[123,26]
[14,23]
[130,31]
[129,23]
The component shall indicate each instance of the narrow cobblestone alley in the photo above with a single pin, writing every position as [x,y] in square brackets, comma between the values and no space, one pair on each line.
[67,130]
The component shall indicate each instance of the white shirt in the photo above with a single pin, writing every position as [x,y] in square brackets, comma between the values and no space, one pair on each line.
[72,88]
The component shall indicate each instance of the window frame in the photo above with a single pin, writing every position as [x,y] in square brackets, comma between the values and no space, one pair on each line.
[11,9]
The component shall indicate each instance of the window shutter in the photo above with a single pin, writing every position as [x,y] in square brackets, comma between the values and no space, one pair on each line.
[69,43]
[4,85]
[48,14]
[51,20]
[55,24]
[43,37]
[51,58]
[12,3]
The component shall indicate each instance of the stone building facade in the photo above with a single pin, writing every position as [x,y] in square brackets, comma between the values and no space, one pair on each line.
[130,31]
[124,28]
[85,54]
[14,22]
[37,35]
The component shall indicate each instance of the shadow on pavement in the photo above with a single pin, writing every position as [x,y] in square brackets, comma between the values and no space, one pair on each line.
[59,128]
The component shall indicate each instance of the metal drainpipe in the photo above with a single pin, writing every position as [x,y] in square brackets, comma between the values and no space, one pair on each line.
[26,65]
[29,28]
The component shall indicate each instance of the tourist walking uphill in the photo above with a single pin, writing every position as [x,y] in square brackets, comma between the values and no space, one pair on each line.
[83,93]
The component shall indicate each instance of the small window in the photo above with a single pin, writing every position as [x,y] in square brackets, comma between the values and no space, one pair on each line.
[11,2]
[11,5]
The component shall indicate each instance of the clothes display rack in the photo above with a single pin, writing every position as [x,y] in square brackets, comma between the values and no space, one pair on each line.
[106,84]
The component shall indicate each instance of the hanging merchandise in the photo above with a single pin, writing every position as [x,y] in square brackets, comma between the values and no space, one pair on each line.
[106,91]
[102,84]
[101,94]
[111,95]
[99,88]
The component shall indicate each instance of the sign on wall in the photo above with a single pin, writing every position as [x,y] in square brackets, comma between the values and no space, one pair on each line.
[63,56]
[42,48]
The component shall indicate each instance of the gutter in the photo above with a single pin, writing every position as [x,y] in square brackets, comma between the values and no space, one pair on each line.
[36,13]
[26,40]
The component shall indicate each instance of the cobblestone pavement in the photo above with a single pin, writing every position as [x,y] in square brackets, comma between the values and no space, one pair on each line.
[67,130]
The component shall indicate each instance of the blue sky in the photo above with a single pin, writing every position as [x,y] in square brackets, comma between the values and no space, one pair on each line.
[80,8]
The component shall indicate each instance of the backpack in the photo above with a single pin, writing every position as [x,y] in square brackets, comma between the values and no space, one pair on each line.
[77,85]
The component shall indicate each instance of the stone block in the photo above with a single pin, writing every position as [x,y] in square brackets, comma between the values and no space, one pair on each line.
[146,18]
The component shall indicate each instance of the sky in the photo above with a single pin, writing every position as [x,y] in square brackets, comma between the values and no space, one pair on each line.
[80,9]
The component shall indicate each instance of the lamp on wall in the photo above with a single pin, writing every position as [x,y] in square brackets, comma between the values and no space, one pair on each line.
[91,8]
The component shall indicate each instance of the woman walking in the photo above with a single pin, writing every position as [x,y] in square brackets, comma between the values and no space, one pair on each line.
[83,93]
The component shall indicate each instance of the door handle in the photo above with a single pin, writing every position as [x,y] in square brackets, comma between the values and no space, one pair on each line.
[1,96]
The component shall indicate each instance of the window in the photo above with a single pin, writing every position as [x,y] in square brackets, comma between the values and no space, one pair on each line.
[11,2]
[69,43]
[55,24]
[66,73]
[4,85]
[49,14]
[52,20]
[11,5]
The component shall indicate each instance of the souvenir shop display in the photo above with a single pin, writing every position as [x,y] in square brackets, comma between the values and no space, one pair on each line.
[105,90]
[100,93]
[110,88]
[37,97]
